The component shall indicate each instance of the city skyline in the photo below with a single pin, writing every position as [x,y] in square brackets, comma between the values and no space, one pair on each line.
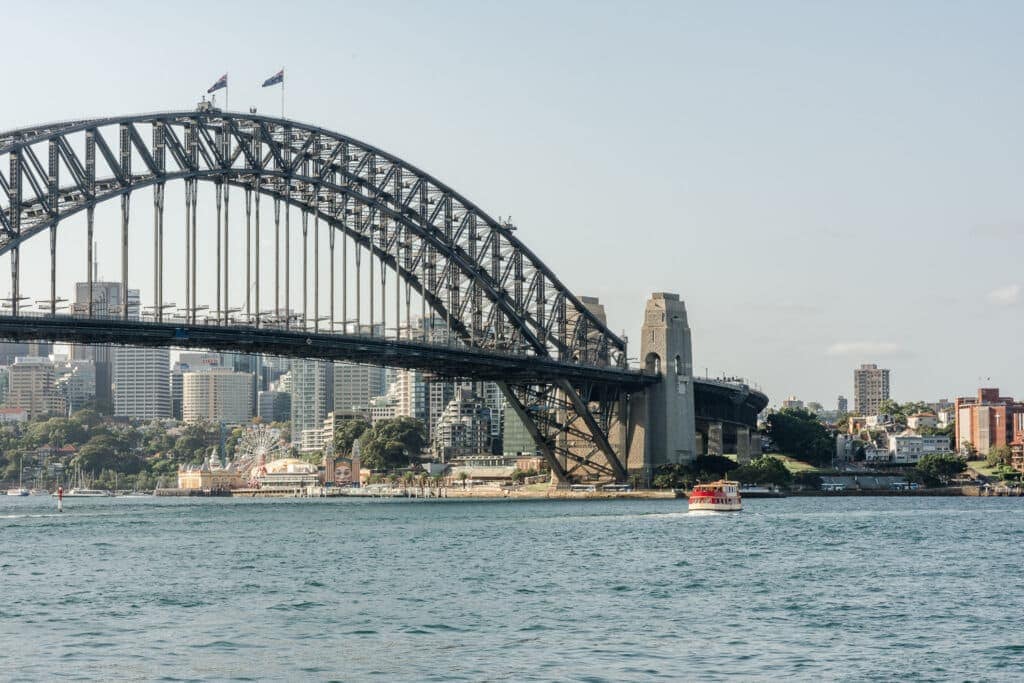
[814,214]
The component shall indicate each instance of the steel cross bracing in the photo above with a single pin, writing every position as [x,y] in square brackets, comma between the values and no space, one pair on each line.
[470,270]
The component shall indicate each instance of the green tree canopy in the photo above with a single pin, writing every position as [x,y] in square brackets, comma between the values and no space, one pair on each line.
[764,470]
[937,468]
[346,433]
[390,444]
[799,433]
[999,455]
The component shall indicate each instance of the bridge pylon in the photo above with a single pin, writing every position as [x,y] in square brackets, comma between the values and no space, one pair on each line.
[661,424]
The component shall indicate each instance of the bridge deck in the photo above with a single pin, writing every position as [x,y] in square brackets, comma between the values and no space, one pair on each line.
[445,360]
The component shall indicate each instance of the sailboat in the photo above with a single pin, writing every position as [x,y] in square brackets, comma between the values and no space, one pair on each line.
[21,490]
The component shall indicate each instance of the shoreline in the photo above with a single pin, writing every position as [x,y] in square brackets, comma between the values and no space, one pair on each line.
[491,494]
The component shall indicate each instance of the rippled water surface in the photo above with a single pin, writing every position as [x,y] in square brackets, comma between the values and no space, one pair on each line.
[883,588]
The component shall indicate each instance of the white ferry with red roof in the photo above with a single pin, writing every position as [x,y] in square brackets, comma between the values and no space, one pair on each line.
[718,496]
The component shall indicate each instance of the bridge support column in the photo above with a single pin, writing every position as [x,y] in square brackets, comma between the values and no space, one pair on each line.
[664,426]
[755,446]
[743,445]
[698,444]
[715,438]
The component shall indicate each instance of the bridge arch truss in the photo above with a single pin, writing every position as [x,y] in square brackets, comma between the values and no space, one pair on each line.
[464,267]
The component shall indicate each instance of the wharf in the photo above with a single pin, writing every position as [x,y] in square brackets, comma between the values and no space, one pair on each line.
[192,493]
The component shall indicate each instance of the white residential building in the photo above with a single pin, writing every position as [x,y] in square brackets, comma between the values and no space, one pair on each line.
[142,388]
[907,447]
[312,389]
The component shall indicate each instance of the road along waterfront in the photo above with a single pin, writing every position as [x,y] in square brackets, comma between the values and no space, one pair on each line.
[519,590]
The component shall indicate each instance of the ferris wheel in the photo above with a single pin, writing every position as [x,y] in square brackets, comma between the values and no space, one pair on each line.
[258,446]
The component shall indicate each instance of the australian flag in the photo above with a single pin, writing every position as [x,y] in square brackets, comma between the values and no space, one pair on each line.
[221,83]
[275,79]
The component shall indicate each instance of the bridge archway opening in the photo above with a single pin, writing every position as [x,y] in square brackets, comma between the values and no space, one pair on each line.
[652,364]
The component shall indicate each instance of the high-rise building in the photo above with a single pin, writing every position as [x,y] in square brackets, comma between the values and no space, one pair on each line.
[312,388]
[870,388]
[410,393]
[32,387]
[464,426]
[141,383]
[842,405]
[188,361]
[77,383]
[356,385]
[515,437]
[274,406]
[106,303]
[217,395]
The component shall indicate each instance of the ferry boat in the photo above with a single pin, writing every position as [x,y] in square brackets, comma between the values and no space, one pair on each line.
[718,496]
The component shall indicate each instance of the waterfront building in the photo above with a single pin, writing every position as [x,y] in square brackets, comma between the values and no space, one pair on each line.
[209,476]
[312,389]
[33,387]
[907,447]
[870,388]
[287,475]
[988,420]
[274,406]
[141,388]
[217,395]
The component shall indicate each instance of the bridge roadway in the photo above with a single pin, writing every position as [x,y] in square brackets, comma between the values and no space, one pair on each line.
[444,360]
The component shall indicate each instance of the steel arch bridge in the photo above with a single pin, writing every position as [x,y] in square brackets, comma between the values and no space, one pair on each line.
[506,316]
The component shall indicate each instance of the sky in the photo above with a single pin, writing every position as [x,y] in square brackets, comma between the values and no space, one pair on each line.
[825,184]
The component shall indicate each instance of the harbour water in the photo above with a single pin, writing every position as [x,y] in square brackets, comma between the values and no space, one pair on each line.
[803,588]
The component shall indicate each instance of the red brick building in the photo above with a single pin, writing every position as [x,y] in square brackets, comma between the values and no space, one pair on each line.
[988,420]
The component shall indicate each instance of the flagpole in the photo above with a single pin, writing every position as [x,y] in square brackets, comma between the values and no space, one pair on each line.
[282,92]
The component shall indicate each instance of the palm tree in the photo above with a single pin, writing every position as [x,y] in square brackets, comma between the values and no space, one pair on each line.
[463,476]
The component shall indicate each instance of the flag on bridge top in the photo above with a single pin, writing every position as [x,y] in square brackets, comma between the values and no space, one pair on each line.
[275,79]
[221,83]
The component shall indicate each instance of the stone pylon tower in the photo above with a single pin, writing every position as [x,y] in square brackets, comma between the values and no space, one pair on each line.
[664,425]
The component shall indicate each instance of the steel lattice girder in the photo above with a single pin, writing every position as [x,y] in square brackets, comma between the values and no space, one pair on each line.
[342,172]
[494,292]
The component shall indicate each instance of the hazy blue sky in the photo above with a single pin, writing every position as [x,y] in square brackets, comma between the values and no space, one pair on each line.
[824,183]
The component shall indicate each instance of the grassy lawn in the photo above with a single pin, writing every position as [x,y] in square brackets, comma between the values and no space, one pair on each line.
[792,464]
[980,467]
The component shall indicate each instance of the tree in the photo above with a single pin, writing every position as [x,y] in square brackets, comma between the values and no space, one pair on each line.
[797,432]
[937,468]
[999,455]
[391,444]
[674,476]
[346,433]
[764,470]
[463,476]
[712,466]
